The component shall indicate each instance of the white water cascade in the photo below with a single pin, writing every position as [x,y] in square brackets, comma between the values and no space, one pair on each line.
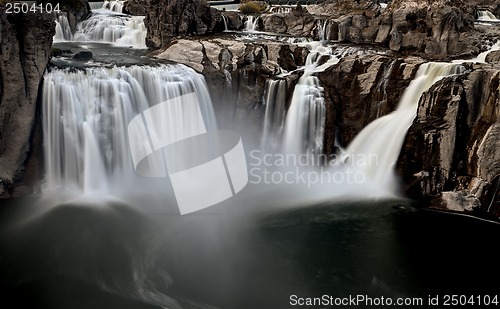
[106,26]
[487,16]
[251,24]
[323,29]
[86,114]
[63,29]
[305,119]
[114,6]
[383,138]
[275,100]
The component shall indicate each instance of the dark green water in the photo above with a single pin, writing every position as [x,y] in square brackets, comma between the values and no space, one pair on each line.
[77,256]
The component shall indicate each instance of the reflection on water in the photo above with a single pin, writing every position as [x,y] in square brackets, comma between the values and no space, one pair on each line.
[111,256]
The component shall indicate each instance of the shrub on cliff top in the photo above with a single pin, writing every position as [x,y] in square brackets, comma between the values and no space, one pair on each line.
[253,7]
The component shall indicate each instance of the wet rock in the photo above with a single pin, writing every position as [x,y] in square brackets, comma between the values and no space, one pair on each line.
[453,143]
[83,55]
[166,19]
[25,50]
[234,20]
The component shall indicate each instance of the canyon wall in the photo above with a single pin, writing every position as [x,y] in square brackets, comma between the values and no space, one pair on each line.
[26,41]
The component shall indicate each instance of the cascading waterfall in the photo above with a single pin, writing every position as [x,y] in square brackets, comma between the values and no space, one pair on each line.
[224,18]
[105,26]
[487,16]
[251,24]
[305,119]
[383,138]
[63,29]
[96,5]
[275,99]
[280,9]
[86,114]
[115,6]
[323,29]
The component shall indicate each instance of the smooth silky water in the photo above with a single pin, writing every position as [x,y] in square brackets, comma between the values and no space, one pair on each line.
[97,235]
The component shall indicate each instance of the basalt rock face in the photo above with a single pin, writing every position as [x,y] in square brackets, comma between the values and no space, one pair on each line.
[338,8]
[134,7]
[440,29]
[360,89]
[236,74]
[298,22]
[450,157]
[77,10]
[26,41]
[166,19]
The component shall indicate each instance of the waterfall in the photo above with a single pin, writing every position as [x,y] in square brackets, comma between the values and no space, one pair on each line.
[96,5]
[86,114]
[63,29]
[275,100]
[305,119]
[280,9]
[323,29]
[224,18]
[115,6]
[383,138]
[105,26]
[251,24]
[487,16]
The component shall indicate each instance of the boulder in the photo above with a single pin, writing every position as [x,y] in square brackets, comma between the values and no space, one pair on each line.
[493,57]
[25,51]
[166,19]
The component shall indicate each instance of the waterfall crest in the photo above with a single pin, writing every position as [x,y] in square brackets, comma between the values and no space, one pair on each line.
[86,114]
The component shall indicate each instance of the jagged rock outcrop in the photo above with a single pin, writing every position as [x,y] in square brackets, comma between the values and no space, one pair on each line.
[450,158]
[26,41]
[236,73]
[77,10]
[135,7]
[298,22]
[166,19]
[440,29]
[338,8]
[360,89]
[493,57]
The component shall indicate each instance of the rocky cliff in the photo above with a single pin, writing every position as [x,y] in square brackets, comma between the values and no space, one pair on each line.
[439,29]
[166,19]
[451,156]
[25,50]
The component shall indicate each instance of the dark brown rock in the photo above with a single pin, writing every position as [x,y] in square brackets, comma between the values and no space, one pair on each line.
[493,57]
[135,7]
[450,156]
[26,41]
[166,19]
